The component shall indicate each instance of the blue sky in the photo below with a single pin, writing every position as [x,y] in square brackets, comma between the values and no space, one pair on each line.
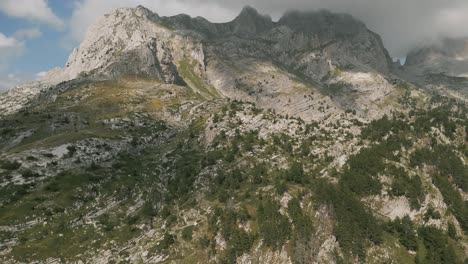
[43,52]
[39,42]
[37,35]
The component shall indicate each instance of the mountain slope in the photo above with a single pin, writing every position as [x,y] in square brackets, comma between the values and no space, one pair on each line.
[176,140]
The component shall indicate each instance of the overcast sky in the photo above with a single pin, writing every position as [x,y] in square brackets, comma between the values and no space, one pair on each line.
[36,35]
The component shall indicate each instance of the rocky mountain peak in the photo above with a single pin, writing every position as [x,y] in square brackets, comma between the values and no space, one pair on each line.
[125,42]
[143,11]
[251,15]
[250,12]
[249,23]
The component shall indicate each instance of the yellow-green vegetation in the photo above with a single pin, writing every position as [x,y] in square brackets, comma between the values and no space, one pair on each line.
[195,82]
[79,113]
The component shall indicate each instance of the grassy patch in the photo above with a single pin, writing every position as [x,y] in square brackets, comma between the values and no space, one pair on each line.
[195,82]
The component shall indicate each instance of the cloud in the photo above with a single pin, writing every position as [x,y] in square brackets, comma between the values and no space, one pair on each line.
[6,42]
[36,10]
[9,48]
[402,24]
[8,81]
[40,75]
[28,33]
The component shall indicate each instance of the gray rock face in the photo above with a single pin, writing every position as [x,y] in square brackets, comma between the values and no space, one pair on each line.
[152,59]
[20,96]
[249,23]
[337,37]
[125,42]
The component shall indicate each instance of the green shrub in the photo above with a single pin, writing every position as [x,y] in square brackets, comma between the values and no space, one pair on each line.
[280,187]
[71,150]
[302,234]
[360,175]
[453,199]
[446,161]
[431,214]
[186,166]
[27,173]
[274,228]
[187,233]
[452,231]
[377,129]
[296,173]
[167,241]
[238,241]
[106,222]
[403,185]
[355,225]
[406,232]
[10,165]
[438,250]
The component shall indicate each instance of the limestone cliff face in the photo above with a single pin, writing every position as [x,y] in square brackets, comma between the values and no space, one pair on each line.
[338,38]
[130,41]
[341,38]
[124,42]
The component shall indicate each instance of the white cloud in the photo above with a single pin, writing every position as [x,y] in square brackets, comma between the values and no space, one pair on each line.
[7,42]
[40,75]
[9,48]
[37,10]
[8,81]
[28,33]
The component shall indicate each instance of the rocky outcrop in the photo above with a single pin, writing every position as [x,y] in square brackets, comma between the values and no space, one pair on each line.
[125,42]
[20,96]
[340,37]
[250,23]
